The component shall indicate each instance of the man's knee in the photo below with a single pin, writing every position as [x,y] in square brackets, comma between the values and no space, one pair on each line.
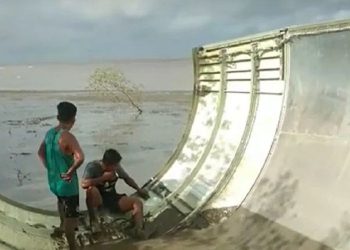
[137,204]
[93,197]
[92,192]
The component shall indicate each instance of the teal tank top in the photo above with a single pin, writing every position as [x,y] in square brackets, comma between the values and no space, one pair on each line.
[58,163]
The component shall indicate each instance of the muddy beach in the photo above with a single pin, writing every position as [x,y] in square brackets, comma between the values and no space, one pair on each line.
[145,141]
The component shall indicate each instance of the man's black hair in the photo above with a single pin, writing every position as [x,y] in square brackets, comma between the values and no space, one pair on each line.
[66,111]
[111,156]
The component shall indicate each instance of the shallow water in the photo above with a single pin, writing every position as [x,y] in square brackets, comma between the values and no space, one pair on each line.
[146,141]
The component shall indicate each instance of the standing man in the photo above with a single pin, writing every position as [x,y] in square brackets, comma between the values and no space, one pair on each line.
[99,181]
[61,155]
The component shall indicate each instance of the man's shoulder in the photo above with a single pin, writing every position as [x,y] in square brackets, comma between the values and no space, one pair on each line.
[67,135]
[93,165]
[50,134]
[54,131]
[92,169]
[50,131]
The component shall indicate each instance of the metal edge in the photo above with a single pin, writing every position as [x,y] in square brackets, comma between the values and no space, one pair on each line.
[234,165]
[319,28]
[17,205]
[242,145]
[243,40]
[286,77]
[220,111]
[154,180]
[174,196]
[27,215]
[322,27]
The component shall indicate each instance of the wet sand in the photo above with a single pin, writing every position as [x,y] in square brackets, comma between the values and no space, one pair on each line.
[145,141]
[244,230]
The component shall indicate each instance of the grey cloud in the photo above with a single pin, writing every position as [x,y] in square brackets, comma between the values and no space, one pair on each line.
[79,31]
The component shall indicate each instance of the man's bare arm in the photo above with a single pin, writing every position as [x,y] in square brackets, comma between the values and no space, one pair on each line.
[127,179]
[41,153]
[72,146]
[88,182]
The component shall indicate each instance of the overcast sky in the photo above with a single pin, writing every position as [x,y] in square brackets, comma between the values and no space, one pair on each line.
[38,31]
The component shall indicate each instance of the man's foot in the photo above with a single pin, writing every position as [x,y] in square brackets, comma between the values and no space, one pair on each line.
[57,233]
[140,234]
[145,233]
[95,227]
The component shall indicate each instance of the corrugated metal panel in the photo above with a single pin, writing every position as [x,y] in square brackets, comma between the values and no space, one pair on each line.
[270,88]
[197,142]
[257,150]
[223,151]
[239,87]
[230,82]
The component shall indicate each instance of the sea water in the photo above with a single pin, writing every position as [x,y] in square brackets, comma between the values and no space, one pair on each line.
[145,141]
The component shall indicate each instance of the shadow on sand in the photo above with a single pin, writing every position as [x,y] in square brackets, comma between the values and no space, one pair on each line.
[242,230]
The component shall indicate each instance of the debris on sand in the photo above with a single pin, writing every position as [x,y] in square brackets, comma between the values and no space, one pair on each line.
[22,176]
[147,148]
[46,124]
[37,120]
[14,155]
[22,153]
[14,122]
[31,121]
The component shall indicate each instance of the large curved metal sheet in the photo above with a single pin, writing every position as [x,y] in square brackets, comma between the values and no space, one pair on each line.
[304,185]
[240,75]
[268,134]
[23,227]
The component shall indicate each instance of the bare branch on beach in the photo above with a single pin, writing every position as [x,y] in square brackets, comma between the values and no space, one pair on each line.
[112,83]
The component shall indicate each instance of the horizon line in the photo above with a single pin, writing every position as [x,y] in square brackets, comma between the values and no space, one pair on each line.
[97,61]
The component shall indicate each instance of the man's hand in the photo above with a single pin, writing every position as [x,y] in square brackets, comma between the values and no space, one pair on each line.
[67,176]
[143,193]
[86,184]
[108,176]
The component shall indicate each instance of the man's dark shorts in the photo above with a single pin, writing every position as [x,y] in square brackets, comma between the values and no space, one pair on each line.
[70,205]
[110,201]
